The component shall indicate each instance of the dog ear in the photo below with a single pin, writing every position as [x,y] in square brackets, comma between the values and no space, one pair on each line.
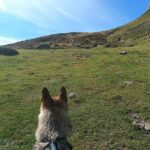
[46,98]
[63,95]
[45,93]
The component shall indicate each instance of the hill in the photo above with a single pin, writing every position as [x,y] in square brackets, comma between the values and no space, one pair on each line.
[63,40]
[133,33]
[130,34]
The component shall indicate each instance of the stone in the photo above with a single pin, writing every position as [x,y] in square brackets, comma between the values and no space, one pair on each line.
[142,124]
[139,122]
[123,53]
[72,95]
[134,115]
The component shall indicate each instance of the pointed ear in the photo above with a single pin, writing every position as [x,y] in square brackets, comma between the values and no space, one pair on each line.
[45,93]
[46,98]
[63,94]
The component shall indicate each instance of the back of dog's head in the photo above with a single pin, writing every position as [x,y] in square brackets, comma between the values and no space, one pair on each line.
[53,118]
[56,103]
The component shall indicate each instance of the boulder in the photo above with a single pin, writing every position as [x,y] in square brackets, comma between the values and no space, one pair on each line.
[8,51]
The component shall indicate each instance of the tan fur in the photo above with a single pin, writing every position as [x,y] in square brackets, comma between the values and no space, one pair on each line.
[53,120]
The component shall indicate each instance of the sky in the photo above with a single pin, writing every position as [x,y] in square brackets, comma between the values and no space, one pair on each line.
[27,19]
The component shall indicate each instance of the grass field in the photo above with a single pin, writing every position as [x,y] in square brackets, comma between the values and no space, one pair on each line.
[99,114]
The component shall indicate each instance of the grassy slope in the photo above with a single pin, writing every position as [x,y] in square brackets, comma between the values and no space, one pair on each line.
[132,33]
[99,119]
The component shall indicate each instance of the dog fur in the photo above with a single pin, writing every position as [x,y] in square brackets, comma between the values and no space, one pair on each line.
[53,120]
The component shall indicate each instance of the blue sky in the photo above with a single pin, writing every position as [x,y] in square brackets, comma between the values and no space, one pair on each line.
[26,19]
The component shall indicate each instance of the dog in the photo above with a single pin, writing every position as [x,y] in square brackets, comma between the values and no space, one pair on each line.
[53,122]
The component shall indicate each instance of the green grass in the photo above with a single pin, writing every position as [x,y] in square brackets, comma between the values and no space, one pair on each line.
[100,120]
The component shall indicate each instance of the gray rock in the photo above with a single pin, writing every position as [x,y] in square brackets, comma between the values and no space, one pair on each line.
[139,122]
[142,124]
[134,115]
[123,53]
[72,95]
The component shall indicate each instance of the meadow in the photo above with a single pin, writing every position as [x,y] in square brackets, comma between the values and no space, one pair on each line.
[99,114]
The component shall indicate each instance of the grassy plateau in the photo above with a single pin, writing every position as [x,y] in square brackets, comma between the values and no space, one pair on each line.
[99,114]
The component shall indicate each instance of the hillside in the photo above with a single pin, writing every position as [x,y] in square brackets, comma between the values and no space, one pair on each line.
[63,40]
[133,33]
[130,34]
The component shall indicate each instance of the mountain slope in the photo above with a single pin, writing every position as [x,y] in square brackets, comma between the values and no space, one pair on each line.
[63,40]
[135,32]
[130,34]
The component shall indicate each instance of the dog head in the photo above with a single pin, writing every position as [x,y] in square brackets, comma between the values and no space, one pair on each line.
[55,103]
[53,120]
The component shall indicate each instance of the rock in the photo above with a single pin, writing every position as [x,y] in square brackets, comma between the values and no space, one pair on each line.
[142,124]
[8,51]
[134,115]
[147,126]
[72,95]
[139,122]
[128,83]
[123,53]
